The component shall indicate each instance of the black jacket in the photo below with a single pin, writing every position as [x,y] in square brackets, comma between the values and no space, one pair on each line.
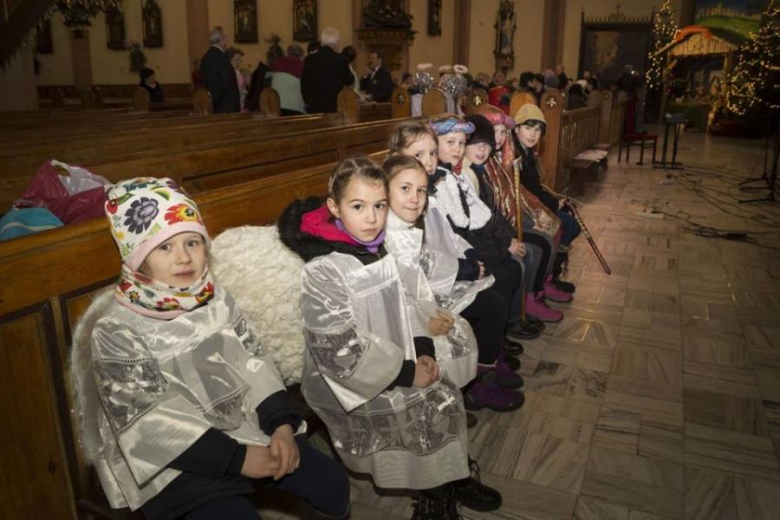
[256,86]
[325,73]
[380,86]
[530,178]
[219,78]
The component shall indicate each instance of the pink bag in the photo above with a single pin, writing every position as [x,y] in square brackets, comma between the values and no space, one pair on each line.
[75,197]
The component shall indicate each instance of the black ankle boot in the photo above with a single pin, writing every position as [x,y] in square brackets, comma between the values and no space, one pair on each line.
[436,504]
[472,493]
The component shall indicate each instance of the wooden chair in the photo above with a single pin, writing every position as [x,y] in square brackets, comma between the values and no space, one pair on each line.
[633,138]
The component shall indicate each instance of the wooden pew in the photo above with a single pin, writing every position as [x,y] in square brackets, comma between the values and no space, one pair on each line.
[434,102]
[475,99]
[400,103]
[356,111]
[47,281]
[519,99]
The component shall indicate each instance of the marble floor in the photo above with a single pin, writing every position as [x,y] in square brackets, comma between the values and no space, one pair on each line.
[658,395]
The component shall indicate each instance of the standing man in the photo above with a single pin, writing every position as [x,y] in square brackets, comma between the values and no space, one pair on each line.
[218,75]
[325,73]
[377,83]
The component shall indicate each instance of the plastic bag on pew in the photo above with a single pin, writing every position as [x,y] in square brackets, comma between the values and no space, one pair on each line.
[74,197]
[264,277]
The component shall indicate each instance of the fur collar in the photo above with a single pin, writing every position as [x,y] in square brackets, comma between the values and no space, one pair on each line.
[305,245]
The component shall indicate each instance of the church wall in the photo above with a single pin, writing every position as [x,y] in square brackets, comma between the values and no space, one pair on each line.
[439,50]
[594,8]
[57,68]
[527,41]
[17,82]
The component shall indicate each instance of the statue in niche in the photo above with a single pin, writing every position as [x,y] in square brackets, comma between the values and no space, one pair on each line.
[153,35]
[388,14]
[434,17]
[505,34]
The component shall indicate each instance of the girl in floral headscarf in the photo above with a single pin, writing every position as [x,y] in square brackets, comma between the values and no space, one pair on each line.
[182,407]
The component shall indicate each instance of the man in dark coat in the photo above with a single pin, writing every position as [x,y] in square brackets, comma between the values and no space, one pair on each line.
[377,82]
[218,75]
[325,73]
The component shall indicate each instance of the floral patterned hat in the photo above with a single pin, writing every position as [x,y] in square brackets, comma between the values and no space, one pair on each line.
[145,212]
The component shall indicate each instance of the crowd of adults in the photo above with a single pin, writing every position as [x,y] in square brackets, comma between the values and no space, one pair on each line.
[306,81]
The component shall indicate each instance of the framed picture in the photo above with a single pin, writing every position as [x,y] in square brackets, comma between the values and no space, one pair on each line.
[305,20]
[245,12]
[115,29]
[434,17]
[606,46]
[152,22]
[43,41]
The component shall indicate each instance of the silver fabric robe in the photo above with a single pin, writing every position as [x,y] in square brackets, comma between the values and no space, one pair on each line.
[358,334]
[456,351]
[163,383]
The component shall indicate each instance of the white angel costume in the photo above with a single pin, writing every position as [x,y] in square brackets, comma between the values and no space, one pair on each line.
[457,351]
[162,384]
[358,335]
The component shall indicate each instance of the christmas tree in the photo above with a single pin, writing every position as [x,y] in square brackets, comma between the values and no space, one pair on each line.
[754,84]
[664,29]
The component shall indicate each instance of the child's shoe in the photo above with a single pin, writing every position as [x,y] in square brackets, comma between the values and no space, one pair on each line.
[436,504]
[564,286]
[506,377]
[485,392]
[472,493]
[536,306]
[512,362]
[555,294]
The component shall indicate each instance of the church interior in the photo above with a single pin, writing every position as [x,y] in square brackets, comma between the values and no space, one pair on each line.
[654,392]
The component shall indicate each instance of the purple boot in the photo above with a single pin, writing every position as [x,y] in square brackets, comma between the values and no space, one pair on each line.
[506,376]
[485,392]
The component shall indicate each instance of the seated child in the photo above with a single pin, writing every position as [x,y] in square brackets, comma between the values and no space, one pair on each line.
[376,387]
[479,148]
[494,242]
[428,254]
[193,409]
[529,130]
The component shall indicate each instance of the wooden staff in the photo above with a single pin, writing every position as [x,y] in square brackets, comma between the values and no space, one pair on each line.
[518,222]
[584,229]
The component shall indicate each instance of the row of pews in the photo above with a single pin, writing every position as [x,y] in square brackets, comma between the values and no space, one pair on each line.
[242,169]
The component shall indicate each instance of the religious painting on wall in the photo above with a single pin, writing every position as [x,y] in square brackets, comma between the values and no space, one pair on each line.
[434,17]
[739,17]
[115,29]
[153,32]
[43,41]
[606,47]
[304,20]
[245,12]
[505,35]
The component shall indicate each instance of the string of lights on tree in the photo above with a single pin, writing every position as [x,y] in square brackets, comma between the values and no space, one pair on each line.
[754,84]
[664,30]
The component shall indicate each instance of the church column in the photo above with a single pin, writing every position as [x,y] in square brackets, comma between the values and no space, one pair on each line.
[82,59]
[197,30]
[462,32]
[553,32]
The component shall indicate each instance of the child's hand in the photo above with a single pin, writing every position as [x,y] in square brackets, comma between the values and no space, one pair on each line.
[517,248]
[425,372]
[481,269]
[561,203]
[285,450]
[441,324]
[259,463]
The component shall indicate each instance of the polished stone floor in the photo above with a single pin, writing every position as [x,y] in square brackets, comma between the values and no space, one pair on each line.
[658,395]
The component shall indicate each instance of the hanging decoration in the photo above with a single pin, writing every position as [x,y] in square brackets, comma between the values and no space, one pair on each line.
[754,84]
[664,31]
[423,81]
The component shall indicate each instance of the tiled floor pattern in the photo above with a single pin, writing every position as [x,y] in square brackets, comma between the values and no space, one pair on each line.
[658,395]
